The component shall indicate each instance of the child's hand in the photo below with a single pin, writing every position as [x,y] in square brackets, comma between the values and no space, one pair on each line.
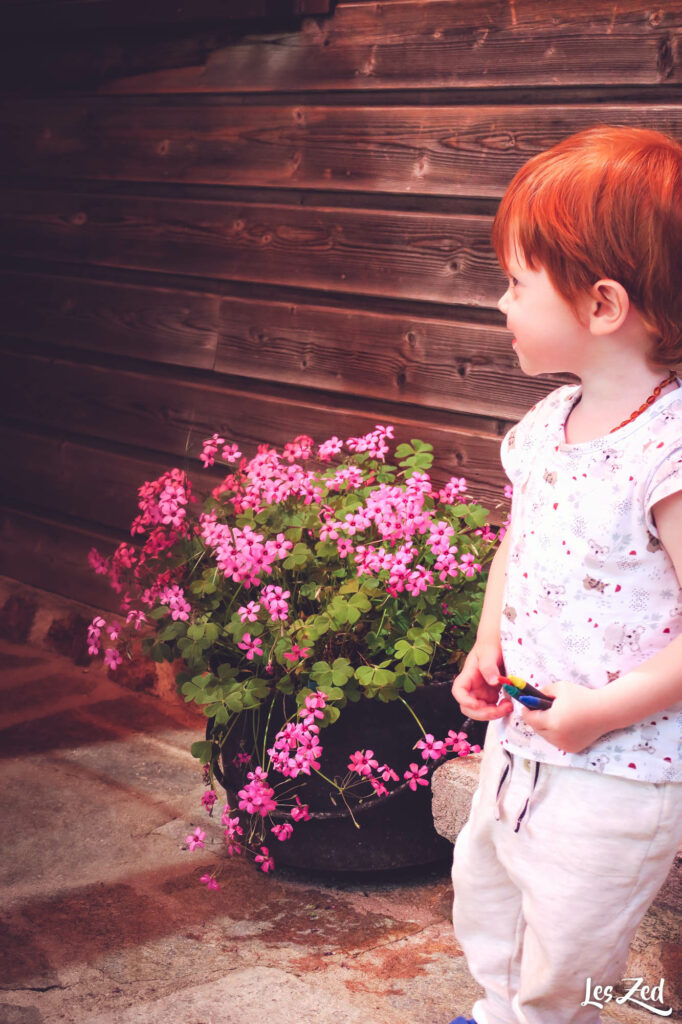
[572,723]
[477,686]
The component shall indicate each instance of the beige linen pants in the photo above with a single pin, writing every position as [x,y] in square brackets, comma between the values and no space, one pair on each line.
[543,905]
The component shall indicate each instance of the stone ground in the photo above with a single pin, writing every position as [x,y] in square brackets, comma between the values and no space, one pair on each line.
[103,920]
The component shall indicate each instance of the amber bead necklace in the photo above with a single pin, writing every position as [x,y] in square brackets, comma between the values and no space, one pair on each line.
[650,401]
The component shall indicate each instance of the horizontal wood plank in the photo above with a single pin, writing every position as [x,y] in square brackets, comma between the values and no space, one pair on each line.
[435,363]
[132,409]
[438,150]
[53,555]
[443,44]
[69,478]
[432,257]
[158,324]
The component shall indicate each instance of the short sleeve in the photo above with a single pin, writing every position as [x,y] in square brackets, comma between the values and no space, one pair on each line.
[509,453]
[664,481]
[521,444]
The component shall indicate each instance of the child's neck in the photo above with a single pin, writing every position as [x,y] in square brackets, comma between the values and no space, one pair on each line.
[609,399]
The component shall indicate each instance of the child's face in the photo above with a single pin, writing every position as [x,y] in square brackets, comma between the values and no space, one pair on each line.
[548,336]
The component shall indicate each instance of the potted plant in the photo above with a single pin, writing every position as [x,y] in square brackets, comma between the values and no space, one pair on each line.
[316,591]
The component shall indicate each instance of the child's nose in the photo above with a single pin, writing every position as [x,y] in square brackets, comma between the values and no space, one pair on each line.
[503,302]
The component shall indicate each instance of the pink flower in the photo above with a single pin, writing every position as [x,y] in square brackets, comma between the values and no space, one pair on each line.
[209,881]
[174,597]
[283,832]
[387,774]
[231,453]
[280,546]
[257,796]
[275,601]
[415,774]
[362,762]
[264,859]
[329,448]
[468,566]
[378,787]
[208,799]
[112,658]
[252,647]
[98,562]
[301,812]
[249,612]
[233,828]
[452,490]
[196,839]
[94,630]
[210,449]
[374,442]
[138,618]
[431,748]
[296,653]
[459,743]
[420,579]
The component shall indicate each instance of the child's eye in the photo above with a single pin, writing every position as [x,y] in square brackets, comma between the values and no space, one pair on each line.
[513,282]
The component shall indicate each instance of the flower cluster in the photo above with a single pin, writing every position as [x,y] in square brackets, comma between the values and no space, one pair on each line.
[297,749]
[311,578]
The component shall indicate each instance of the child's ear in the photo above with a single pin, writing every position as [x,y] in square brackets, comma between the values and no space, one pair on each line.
[608,306]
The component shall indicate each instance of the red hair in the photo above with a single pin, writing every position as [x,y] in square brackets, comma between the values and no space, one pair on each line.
[606,202]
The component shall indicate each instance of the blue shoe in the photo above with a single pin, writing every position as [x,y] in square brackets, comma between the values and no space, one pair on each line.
[463,1020]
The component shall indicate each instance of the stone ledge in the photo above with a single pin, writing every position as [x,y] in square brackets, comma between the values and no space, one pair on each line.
[47,621]
[656,950]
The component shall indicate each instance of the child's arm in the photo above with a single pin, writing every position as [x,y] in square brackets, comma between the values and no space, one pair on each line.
[580,716]
[476,688]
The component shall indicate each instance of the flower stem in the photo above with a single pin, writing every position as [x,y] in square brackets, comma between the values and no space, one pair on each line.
[412,712]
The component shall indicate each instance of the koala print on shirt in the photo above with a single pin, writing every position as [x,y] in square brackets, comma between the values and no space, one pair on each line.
[551,602]
[599,761]
[608,465]
[597,554]
[617,637]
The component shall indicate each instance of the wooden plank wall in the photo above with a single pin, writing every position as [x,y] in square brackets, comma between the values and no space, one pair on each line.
[272,230]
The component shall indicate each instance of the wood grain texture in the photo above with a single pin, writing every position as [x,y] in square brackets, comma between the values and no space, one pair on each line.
[430,150]
[450,44]
[70,478]
[429,362]
[84,404]
[429,257]
[432,362]
[158,324]
[53,555]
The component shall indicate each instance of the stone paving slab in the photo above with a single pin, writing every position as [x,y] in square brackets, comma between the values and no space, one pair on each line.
[103,920]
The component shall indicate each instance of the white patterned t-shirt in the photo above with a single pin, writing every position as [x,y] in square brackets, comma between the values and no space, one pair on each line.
[590,593]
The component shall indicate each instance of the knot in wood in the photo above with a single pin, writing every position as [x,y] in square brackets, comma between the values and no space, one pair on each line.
[664,59]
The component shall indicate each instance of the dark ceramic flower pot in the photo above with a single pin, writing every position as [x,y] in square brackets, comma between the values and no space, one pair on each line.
[395,831]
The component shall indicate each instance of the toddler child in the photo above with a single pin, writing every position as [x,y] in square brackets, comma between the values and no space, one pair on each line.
[578,813]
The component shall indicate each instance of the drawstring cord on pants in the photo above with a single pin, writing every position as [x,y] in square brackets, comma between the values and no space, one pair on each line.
[504,777]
